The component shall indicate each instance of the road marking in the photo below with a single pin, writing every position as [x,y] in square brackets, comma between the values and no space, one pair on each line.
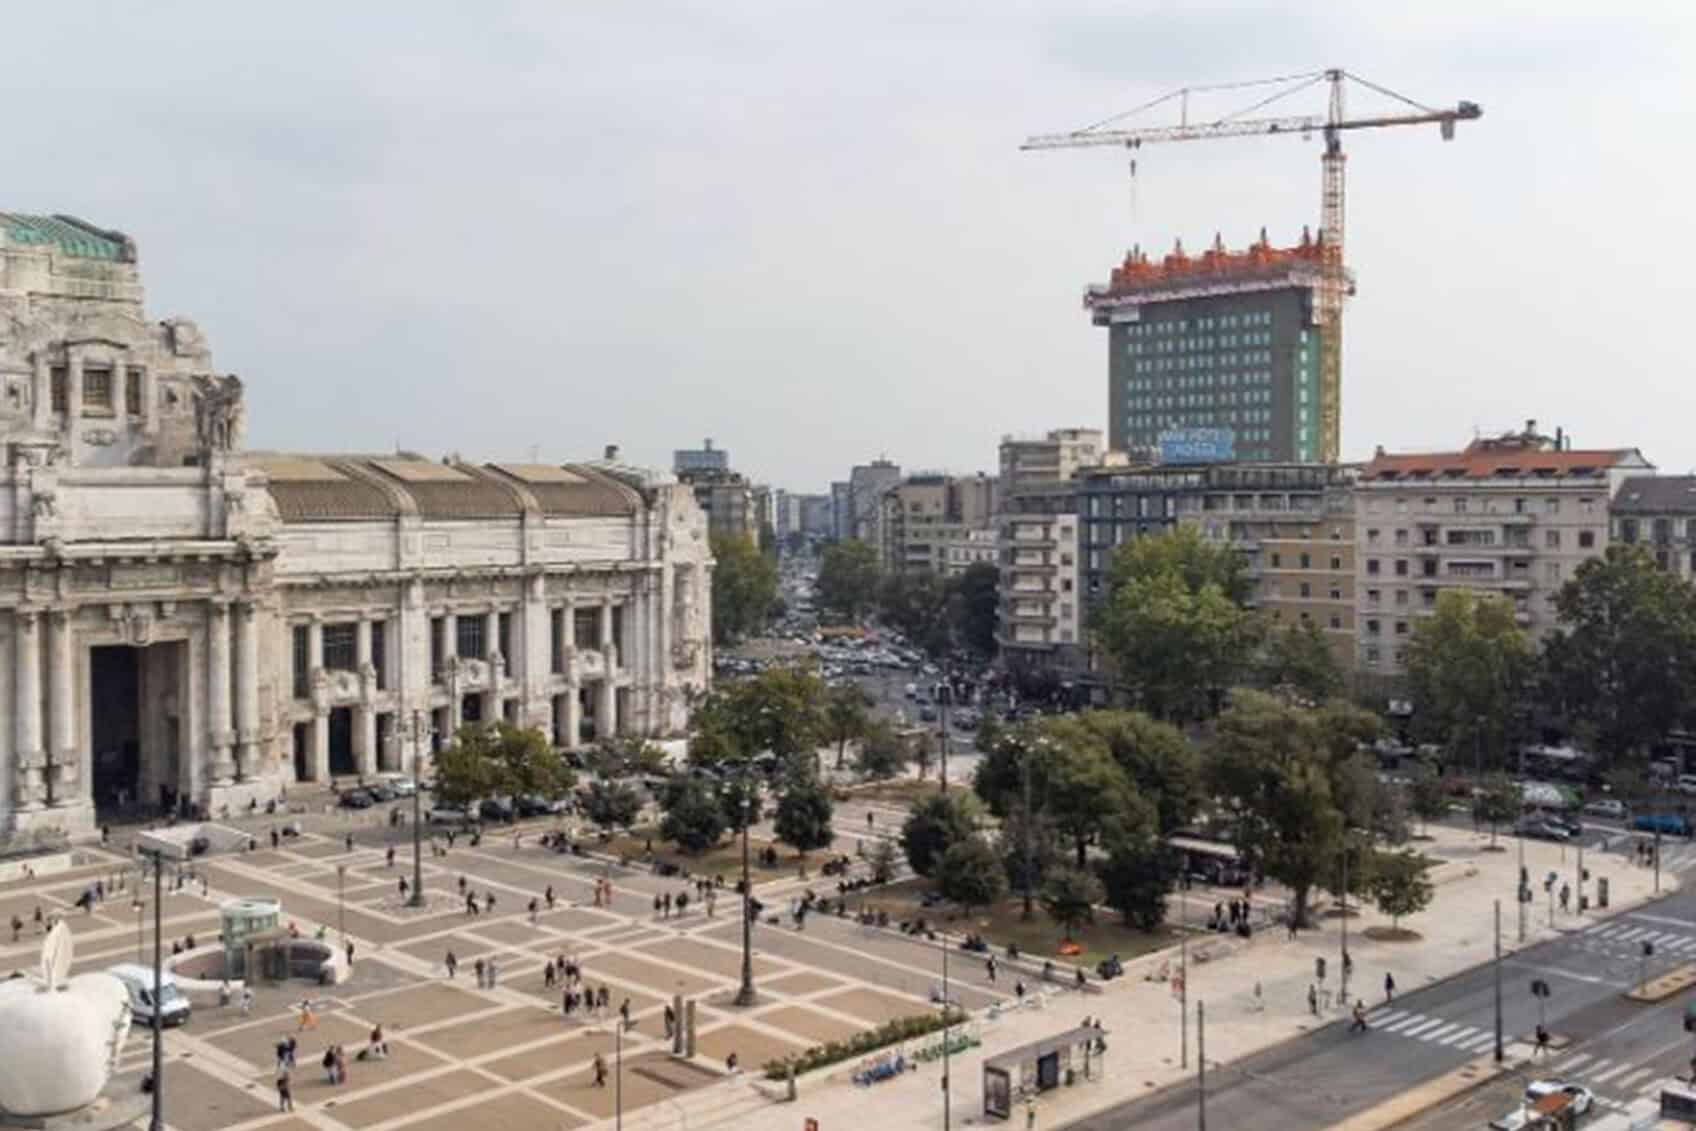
[1662,919]
[1605,930]
[1592,979]
[1573,1062]
[1488,1040]
[1424,1028]
[1604,1077]
[1630,934]
[1630,1079]
[1434,1034]
[1468,1033]
[1384,1016]
[1410,1019]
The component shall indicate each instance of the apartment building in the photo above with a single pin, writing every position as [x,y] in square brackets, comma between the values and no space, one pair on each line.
[1054,455]
[1659,512]
[1512,515]
[1041,607]
[924,514]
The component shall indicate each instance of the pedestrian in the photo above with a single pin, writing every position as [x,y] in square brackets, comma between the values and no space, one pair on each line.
[379,1046]
[329,1063]
[349,948]
[462,885]
[488,901]
[471,907]
[668,905]
[712,902]
[282,1055]
[624,1013]
[17,926]
[388,857]
[290,1046]
[658,903]
[307,1020]
[732,1062]
[1542,1048]
[1030,1115]
[871,819]
[1290,922]
[492,973]
[548,976]
[1019,989]
[600,1070]
[1359,1025]
[549,896]
[670,1021]
[246,1000]
[452,964]
[533,911]
[404,886]
[603,997]
[350,842]
[1313,999]
[1389,987]
[989,967]
[285,1100]
[482,975]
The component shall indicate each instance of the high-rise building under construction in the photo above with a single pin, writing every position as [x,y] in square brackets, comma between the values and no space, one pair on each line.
[1216,356]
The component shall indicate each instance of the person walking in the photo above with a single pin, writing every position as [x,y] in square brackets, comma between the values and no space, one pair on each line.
[307,1020]
[1389,987]
[548,976]
[1542,1047]
[1313,999]
[989,967]
[350,842]
[452,964]
[285,1098]
[600,1071]
[624,1013]
[1359,1025]
[533,912]
[348,946]
[549,896]
[482,976]
[246,1000]
[493,973]
[388,857]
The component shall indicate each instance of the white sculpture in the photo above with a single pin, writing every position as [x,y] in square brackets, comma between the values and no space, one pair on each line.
[59,1037]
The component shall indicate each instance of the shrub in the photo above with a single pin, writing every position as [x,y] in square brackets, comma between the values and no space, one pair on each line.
[889,1033]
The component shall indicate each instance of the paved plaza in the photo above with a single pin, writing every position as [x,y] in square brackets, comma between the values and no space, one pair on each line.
[459,1051]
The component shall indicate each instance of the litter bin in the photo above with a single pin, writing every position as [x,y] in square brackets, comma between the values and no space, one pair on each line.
[1601,891]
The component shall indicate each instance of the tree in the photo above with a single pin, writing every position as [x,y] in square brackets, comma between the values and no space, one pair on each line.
[1137,877]
[1426,795]
[612,805]
[923,750]
[1069,897]
[1029,852]
[1623,664]
[1183,552]
[1468,665]
[1400,886]
[617,756]
[1176,648]
[466,769]
[744,587]
[1497,802]
[526,764]
[846,716]
[970,874]
[1268,768]
[884,858]
[973,602]
[1298,660]
[847,582]
[917,603]
[780,710]
[1088,794]
[935,823]
[1160,762]
[803,813]
[740,801]
[693,818]
[882,754]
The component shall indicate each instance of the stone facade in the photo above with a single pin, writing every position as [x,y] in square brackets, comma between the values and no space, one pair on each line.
[182,621]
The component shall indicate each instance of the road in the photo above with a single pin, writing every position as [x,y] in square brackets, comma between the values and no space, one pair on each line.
[1328,1075]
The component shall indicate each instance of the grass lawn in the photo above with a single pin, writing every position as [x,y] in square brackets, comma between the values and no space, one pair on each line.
[1003,924]
[725,858]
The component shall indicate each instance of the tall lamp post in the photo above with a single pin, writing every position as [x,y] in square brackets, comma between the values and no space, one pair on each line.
[157,1123]
[419,733]
[745,995]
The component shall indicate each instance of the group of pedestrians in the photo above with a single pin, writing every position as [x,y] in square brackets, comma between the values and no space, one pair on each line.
[664,904]
[334,1063]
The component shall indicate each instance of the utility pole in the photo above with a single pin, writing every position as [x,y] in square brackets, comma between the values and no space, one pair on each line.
[1029,845]
[1184,987]
[745,995]
[1343,968]
[1498,969]
[158,1121]
[1523,890]
[1201,1065]
[944,693]
[1579,886]
[417,899]
[947,1113]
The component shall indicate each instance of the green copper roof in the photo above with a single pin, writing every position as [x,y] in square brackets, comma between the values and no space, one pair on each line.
[70,235]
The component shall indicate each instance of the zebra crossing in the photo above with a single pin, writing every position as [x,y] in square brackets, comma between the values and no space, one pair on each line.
[1431,1030]
[1628,937]
[1625,1079]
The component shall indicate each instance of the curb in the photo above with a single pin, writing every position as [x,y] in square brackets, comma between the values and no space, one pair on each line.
[1423,1097]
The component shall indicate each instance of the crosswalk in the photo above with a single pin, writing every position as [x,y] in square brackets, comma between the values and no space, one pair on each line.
[1617,934]
[1431,1030]
[1616,1083]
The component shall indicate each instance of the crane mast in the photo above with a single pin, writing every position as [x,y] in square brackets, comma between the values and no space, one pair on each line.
[1328,312]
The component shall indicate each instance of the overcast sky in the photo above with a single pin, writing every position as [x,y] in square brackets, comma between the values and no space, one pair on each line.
[805,229]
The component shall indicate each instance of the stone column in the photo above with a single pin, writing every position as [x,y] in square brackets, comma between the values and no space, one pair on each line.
[247,686]
[26,671]
[73,393]
[321,747]
[364,715]
[606,703]
[606,641]
[218,691]
[62,709]
[42,392]
[573,714]
[149,401]
[120,402]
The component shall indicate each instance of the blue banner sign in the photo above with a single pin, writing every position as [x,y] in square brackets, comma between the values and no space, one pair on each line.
[1197,445]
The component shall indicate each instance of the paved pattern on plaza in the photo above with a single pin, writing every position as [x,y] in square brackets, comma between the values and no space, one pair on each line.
[505,1054]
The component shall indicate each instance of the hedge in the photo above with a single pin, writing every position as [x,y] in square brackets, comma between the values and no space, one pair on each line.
[889,1033]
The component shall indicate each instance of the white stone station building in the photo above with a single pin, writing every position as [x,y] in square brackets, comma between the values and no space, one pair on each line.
[182,621]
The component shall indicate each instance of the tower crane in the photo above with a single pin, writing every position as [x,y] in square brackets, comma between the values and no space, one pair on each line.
[1329,314]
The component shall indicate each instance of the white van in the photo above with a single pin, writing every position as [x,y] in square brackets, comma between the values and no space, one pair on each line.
[138,980]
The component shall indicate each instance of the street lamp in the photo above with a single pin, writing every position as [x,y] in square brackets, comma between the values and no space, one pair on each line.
[745,994]
[157,1123]
[419,733]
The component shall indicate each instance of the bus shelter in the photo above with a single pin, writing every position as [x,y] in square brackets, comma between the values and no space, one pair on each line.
[1038,1067]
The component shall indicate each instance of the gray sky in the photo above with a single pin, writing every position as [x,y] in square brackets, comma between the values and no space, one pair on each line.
[805,229]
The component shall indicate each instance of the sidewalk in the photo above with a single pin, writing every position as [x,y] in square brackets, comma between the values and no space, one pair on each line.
[1142,1017]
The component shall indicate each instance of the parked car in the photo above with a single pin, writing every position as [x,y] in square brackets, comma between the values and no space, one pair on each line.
[381,791]
[927,714]
[1686,783]
[1670,824]
[495,809]
[1611,808]
[356,799]
[449,815]
[138,983]
[531,805]
[402,785]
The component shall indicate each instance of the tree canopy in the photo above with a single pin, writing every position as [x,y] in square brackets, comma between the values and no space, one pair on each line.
[935,823]
[802,820]
[693,819]
[780,710]
[485,759]
[847,582]
[1468,665]
[1297,660]
[974,602]
[744,587]
[970,873]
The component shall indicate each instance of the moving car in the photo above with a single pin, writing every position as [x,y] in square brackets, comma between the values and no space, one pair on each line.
[1686,783]
[1582,1097]
[1609,807]
[356,799]
[1541,828]
[531,805]
[1672,824]
[402,785]
[138,982]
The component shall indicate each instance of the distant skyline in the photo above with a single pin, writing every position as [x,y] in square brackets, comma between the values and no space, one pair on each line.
[806,230]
